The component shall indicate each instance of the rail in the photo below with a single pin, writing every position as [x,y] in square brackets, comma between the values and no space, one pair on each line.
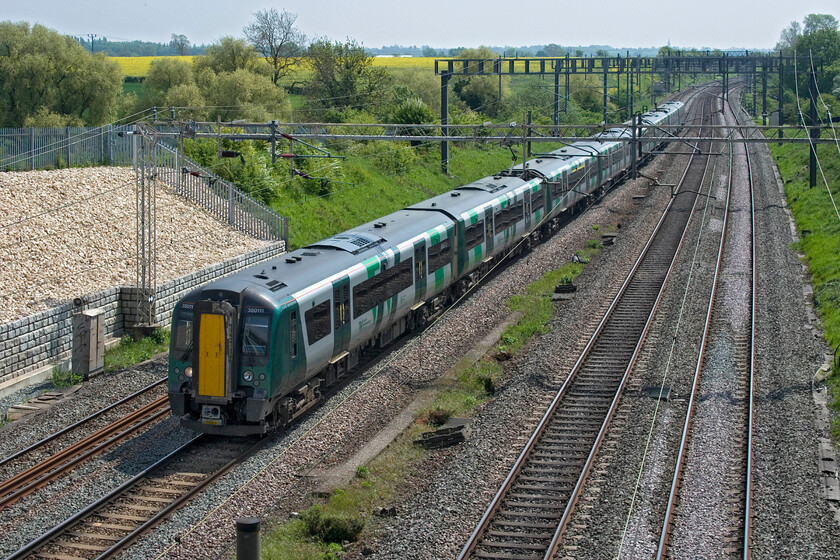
[570,432]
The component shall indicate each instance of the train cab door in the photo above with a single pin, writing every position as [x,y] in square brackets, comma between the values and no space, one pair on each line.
[214,349]
[420,270]
[341,315]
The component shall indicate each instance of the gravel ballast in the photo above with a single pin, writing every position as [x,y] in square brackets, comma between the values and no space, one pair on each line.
[70,232]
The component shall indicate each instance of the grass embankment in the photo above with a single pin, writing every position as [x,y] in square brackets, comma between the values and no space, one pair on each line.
[321,531]
[819,237]
[383,179]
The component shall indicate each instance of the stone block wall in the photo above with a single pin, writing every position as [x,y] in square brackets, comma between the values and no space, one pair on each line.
[46,337]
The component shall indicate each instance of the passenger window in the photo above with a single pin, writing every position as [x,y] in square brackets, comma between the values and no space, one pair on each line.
[318,322]
[474,235]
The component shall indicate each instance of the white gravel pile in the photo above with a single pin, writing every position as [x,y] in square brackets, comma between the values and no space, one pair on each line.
[73,231]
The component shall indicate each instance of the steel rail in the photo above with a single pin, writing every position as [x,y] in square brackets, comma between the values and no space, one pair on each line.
[81,422]
[567,514]
[544,422]
[38,475]
[747,519]
[77,517]
[175,504]
[748,505]
[675,483]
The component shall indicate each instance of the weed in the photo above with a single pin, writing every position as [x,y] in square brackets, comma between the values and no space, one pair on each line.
[362,471]
[331,527]
[438,416]
[62,377]
[130,352]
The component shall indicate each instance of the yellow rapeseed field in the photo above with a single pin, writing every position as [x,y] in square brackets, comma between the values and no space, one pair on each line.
[139,65]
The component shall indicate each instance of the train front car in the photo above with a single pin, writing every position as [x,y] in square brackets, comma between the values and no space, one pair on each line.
[222,360]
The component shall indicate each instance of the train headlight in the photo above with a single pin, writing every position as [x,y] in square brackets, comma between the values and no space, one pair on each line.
[188,371]
[248,375]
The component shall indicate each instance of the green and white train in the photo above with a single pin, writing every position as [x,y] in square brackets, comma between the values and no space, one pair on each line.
[254,350]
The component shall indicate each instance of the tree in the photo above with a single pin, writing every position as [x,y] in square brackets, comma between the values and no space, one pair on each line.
[819,22]
[275,36]
[188,99]
[180,43]
[229,55]
[481,93]
[343,75]
[552,50]
[413,111]
[163,75]
[42,69]
[789,37]
[243,94]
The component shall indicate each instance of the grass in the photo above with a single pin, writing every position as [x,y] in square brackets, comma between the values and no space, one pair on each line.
[130,352]
[819,237]
[380,484]
[61,377]
[382,179]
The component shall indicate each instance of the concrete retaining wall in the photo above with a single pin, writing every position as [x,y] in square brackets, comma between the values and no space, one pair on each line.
[45,338]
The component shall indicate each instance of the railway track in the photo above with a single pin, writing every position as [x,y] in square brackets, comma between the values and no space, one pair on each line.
[113,522]
[54,456]
[529,514]
[715,469]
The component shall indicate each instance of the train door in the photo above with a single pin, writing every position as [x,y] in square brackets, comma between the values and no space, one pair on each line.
[527,198]
[341,315]
[489,231]
[420,270]
[213,341]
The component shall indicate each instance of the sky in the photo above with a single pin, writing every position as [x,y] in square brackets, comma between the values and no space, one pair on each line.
[724,24]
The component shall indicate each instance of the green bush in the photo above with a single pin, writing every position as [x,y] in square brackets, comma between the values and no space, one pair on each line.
[331,527]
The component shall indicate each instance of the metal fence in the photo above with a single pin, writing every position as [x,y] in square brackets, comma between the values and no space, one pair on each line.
[219,197]
[69,146]
[51,148]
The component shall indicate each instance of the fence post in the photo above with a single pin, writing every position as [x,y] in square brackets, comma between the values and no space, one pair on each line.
[67,139]
[108,152]
[230,204]
[32,148]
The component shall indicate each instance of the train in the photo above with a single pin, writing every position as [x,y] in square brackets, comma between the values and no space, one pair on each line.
[254,350]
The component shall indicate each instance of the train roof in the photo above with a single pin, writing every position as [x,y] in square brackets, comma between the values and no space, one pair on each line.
[470,196]
[301,268]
